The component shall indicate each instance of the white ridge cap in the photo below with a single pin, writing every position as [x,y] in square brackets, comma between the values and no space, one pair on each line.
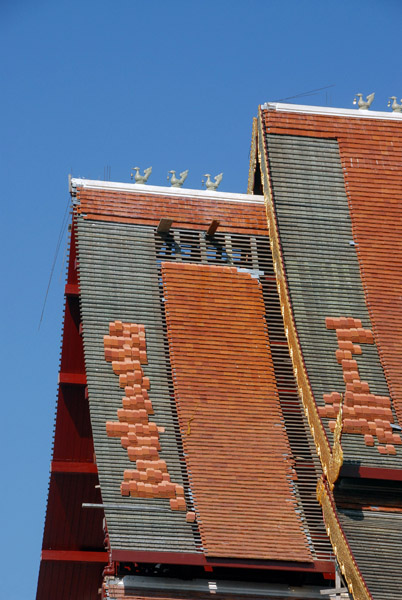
[334,112]
[155,190]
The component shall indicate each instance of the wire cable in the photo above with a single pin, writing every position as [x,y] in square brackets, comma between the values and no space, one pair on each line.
[60,238]
[309,93]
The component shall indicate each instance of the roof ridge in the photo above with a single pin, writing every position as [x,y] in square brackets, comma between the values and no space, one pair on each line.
[331,111]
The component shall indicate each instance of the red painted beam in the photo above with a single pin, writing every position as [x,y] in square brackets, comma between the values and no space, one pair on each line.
[73,378]
[319,566]
[75,556]
[176,558]
[65,466]
[72,289]
[371,473]
[186,558]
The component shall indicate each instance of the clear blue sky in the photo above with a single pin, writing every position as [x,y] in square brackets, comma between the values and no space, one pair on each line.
[172,84]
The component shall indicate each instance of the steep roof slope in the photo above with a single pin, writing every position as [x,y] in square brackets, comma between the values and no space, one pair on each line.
[333,191]
[238,456]
[166,497]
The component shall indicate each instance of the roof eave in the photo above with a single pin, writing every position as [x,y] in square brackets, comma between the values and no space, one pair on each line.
[330,111]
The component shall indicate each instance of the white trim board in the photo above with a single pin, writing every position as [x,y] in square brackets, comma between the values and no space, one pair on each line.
[154,190]
[333,112]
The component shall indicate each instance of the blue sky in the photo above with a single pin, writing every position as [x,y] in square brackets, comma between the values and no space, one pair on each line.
[94,83]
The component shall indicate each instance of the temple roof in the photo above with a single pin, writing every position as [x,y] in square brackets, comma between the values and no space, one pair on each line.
[192,427]
[331,180]
[230,391]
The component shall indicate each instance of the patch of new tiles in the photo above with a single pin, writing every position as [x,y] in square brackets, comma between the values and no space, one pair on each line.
[364,413]
[125,348]
[235,445]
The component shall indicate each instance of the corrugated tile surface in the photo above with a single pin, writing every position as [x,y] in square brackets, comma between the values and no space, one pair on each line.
[119,281]
[375,538]
[237,452]
[323,273]
[371,158]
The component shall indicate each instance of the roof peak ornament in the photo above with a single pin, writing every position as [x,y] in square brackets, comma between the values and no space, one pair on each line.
[141,178]
[395,106]
[364,105]
[175,181]
[212,185]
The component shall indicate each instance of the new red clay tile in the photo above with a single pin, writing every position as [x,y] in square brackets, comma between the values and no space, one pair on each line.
[367,407]
[139,436]
[237,454]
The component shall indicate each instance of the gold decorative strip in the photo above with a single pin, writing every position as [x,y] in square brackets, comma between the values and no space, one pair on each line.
[331,459]
[347,564]
[253,157]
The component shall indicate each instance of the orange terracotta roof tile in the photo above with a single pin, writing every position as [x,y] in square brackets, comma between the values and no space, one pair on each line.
[367,406]
[237,453]
[123,347]
[186,212]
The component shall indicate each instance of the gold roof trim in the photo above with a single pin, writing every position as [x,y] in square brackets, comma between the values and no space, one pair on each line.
[253,157]
[331,459]
[347,564]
